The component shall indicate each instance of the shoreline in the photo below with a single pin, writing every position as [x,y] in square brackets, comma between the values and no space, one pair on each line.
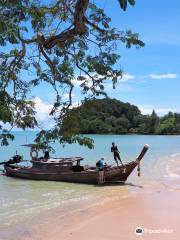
[113,218]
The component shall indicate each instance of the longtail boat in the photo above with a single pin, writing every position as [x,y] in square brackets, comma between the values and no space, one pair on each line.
[69,169]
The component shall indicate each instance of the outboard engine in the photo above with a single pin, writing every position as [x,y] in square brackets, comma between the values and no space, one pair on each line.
[16,159]
[13,160]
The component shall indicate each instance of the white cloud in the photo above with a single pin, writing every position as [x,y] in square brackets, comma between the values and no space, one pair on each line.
[121,84]
[163,76]
[126,77]
[42,113]
[144,81]
[147,109]
[76,82]
[66,96]
[75,104]
[119,87]
[42,108]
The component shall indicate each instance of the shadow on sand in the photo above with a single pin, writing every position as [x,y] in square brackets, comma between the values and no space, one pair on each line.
[118,183]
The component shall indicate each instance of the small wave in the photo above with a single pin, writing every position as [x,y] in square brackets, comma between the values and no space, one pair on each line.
[175,155]
[170,173]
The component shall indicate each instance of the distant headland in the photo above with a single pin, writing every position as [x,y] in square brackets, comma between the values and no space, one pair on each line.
[111,116]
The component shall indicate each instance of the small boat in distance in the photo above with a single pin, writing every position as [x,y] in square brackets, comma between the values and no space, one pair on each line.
[69,169]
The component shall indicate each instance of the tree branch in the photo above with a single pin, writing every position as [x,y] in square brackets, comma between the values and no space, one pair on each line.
[94,25]
[79,27]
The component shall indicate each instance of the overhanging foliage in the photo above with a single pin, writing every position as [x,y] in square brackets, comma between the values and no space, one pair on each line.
[53,41]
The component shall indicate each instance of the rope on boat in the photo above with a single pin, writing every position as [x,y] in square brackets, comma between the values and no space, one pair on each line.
[139,169]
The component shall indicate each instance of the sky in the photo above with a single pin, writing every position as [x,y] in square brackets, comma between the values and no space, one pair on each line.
[151,74]
[154,70]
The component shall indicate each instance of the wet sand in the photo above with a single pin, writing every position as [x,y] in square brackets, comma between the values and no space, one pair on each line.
[156,212]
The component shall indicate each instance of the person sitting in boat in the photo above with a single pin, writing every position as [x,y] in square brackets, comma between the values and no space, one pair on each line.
[101,164]
[116,152]
[46,155]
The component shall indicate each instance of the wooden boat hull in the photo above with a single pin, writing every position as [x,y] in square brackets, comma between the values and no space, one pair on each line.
[120,173]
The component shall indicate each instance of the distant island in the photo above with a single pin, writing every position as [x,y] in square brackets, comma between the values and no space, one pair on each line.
[111,116]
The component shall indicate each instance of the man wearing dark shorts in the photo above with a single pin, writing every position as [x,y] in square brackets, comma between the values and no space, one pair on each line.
[101,177]
[115,151]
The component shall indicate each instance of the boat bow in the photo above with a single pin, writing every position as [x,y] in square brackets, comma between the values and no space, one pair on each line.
[140,157]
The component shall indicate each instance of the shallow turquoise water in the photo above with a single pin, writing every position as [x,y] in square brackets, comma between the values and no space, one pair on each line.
[21,199]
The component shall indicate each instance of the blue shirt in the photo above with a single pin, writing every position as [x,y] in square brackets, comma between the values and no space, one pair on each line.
[101,164]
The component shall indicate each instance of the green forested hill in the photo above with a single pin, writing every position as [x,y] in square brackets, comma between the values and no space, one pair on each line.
[105,116]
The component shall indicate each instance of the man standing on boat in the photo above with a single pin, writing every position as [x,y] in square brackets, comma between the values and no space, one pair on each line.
[116,152]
